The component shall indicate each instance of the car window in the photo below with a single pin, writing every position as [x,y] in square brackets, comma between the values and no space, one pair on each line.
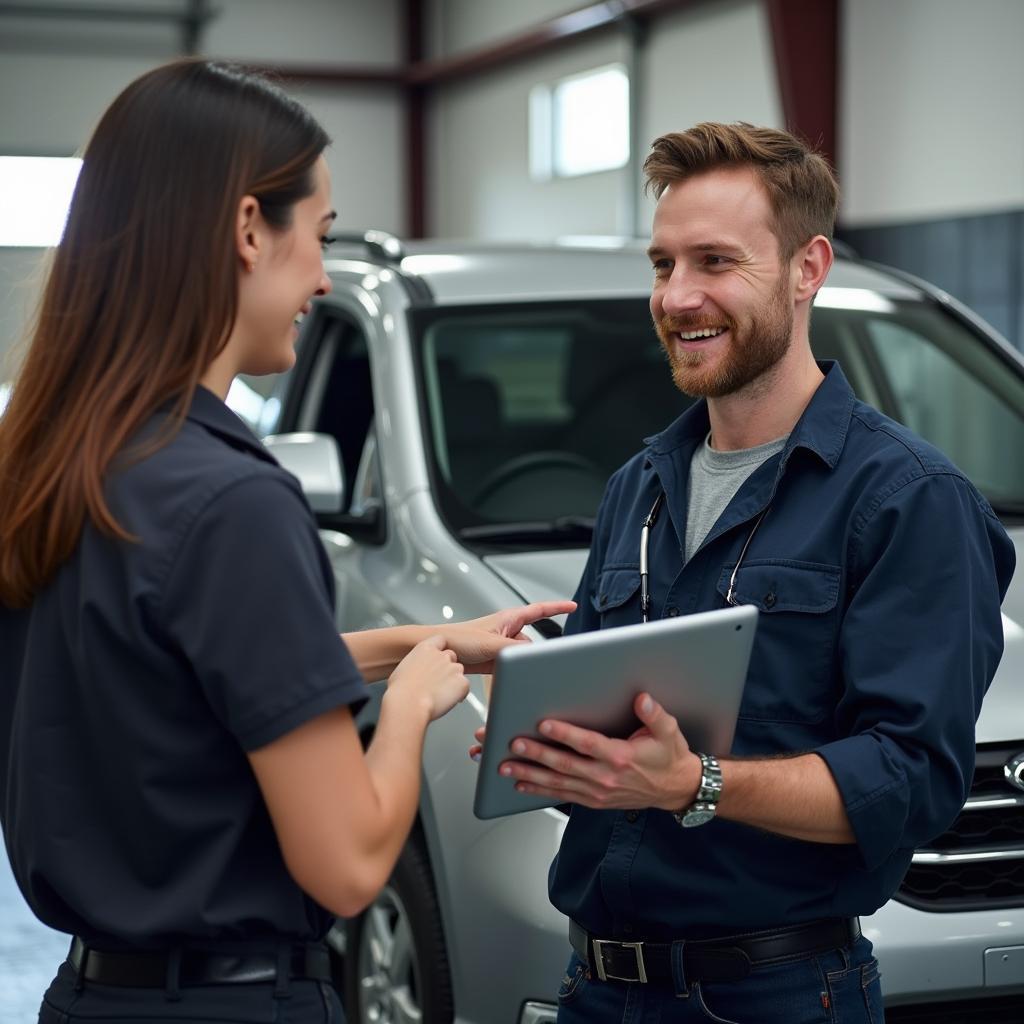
[530,408]
[337,399]
[939,397]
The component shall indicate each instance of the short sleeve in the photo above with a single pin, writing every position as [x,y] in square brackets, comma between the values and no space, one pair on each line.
[249,603]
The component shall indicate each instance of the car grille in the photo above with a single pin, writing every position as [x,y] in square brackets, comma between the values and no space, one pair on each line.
[978,864]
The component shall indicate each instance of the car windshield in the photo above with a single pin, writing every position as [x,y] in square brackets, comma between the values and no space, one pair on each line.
[531,407]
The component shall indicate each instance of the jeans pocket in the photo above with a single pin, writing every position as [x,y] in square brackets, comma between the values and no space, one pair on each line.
[698,994]
[576,976]
[782,993]
[855,994]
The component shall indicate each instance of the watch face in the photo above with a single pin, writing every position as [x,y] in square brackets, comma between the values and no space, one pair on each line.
[692,818]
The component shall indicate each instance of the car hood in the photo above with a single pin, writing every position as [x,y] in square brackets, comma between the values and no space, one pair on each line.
[554,575]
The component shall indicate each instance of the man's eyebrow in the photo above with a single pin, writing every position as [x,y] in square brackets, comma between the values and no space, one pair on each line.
[328,217]
[655,251]
[715,246]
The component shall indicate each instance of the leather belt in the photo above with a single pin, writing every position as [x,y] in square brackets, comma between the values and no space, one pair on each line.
[729,958]
[198,967]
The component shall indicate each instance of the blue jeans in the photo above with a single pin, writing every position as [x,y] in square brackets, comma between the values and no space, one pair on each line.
[838,987]
[303,1002]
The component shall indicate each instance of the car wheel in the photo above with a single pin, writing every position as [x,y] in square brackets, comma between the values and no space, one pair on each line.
[396,967]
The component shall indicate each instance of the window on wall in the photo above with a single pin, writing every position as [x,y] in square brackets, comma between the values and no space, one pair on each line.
[35,193]
[580,124]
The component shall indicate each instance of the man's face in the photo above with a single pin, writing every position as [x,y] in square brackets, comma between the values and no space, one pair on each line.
[722,300]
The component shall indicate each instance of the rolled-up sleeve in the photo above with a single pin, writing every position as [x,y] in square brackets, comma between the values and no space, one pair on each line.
[919,645]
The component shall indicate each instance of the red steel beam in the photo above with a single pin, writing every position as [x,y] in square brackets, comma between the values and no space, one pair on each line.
[560,31]
[806,38]
[415,125]
[556,32]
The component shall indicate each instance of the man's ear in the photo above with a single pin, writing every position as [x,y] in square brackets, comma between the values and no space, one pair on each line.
[813,262]
[248,225]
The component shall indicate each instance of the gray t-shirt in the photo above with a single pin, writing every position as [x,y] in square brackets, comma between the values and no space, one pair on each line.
[714,478]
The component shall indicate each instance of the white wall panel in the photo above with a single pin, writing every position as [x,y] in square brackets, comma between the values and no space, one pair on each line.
[714,63]
[932,108]
[307,31]
[479,181]
[366,155]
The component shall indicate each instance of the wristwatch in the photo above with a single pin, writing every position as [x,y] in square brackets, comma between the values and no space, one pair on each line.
[702,810]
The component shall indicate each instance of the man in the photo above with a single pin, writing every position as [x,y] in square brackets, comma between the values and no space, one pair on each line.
[878,570]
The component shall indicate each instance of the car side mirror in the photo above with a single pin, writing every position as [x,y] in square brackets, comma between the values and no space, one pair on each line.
[315,460]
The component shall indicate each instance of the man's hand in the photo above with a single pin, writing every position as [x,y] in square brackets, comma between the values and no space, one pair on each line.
[653,768]
[477,641]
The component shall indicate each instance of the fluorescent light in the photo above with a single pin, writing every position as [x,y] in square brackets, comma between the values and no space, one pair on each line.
[35,193]
[854,298]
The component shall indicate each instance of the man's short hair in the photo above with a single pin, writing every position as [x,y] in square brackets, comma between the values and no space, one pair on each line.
[800,184]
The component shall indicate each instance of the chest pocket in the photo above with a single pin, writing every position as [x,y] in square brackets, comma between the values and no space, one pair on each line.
[792,675]
[617,596]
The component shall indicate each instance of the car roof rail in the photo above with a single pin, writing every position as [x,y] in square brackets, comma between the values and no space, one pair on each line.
[379,244]
[843,248]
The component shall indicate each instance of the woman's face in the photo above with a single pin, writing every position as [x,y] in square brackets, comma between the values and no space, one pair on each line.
[288,272]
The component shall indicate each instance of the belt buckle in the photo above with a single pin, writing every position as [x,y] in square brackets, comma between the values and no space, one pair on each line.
[638,952]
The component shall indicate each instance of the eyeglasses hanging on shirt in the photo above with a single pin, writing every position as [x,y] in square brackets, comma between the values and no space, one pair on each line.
[645,536]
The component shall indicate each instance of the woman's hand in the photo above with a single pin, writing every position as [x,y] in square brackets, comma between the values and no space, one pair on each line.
[433,674]
[477,641]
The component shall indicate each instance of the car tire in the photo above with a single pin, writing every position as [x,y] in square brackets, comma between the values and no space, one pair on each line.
[396,965]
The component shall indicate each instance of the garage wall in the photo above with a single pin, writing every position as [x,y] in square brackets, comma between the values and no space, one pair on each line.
[932,146]
[479,183]
[58,76]
[714,63]
[932,108]
[457,25]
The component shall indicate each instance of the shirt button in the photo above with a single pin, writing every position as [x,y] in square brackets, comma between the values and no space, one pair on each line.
[770,599]
[631,816]
[672,612]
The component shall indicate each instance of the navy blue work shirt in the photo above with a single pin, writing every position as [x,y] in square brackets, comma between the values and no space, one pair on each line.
[133,686]
[878,573]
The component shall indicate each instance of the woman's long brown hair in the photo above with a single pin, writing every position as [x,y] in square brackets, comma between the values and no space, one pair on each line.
[142,293]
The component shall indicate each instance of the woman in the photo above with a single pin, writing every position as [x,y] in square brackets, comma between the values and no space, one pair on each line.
[181,783]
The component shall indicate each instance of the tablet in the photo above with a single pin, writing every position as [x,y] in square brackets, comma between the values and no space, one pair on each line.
[695,666]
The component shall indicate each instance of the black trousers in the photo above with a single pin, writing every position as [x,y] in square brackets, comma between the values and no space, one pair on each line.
[303,1002]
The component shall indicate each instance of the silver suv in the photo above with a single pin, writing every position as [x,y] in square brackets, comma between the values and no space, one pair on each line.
[479,398]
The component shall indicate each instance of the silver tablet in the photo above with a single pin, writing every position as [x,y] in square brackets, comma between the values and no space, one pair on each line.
[694,666]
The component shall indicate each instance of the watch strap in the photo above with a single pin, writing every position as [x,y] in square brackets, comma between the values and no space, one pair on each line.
[705,804]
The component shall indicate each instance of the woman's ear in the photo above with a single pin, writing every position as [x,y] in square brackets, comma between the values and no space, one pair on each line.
[248,224]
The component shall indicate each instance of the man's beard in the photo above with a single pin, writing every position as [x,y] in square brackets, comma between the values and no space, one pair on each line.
[753,349]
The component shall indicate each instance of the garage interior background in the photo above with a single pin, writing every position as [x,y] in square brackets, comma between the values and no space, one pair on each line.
[921,103]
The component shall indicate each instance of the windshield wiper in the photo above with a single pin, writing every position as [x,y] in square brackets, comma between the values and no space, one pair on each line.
[564,528]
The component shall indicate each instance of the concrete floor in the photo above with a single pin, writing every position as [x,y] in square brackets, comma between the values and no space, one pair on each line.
[29,953]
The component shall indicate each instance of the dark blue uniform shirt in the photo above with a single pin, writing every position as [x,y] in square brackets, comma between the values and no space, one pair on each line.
[878,572]
[135,683]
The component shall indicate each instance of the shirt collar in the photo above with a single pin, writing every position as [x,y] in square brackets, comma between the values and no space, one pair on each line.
[821,429]
[211,413]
